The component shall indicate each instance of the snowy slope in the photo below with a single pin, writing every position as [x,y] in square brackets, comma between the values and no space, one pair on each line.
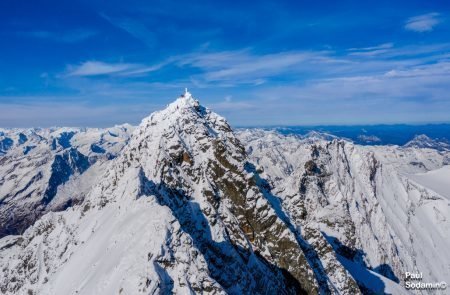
[437,180]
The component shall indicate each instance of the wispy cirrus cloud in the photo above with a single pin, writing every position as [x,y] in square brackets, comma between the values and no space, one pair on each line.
[223,66]
[423,23]
[98,68]
[245,67]
[371,50]
[231,68]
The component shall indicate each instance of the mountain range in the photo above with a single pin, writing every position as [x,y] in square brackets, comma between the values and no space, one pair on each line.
[184,204]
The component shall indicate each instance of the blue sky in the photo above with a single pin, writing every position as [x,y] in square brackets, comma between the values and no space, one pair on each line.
[100,63]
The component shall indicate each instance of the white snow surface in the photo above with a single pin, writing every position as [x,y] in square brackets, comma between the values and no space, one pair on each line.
[437,180]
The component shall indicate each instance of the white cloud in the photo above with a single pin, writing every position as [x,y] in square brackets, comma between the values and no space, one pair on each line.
[244,67]
[98,68]
[372,50]
[423,23]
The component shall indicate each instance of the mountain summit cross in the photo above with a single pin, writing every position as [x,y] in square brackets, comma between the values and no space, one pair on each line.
[186,92]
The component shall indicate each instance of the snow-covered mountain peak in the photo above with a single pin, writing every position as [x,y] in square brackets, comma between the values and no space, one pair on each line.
[316,135]
[186,93]
[184,101]
[423,141]
[187,159]
[172,145]
[182,117]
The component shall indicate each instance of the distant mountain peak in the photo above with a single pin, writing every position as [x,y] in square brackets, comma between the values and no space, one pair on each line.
[423,138]
[423,141]
[317,135]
